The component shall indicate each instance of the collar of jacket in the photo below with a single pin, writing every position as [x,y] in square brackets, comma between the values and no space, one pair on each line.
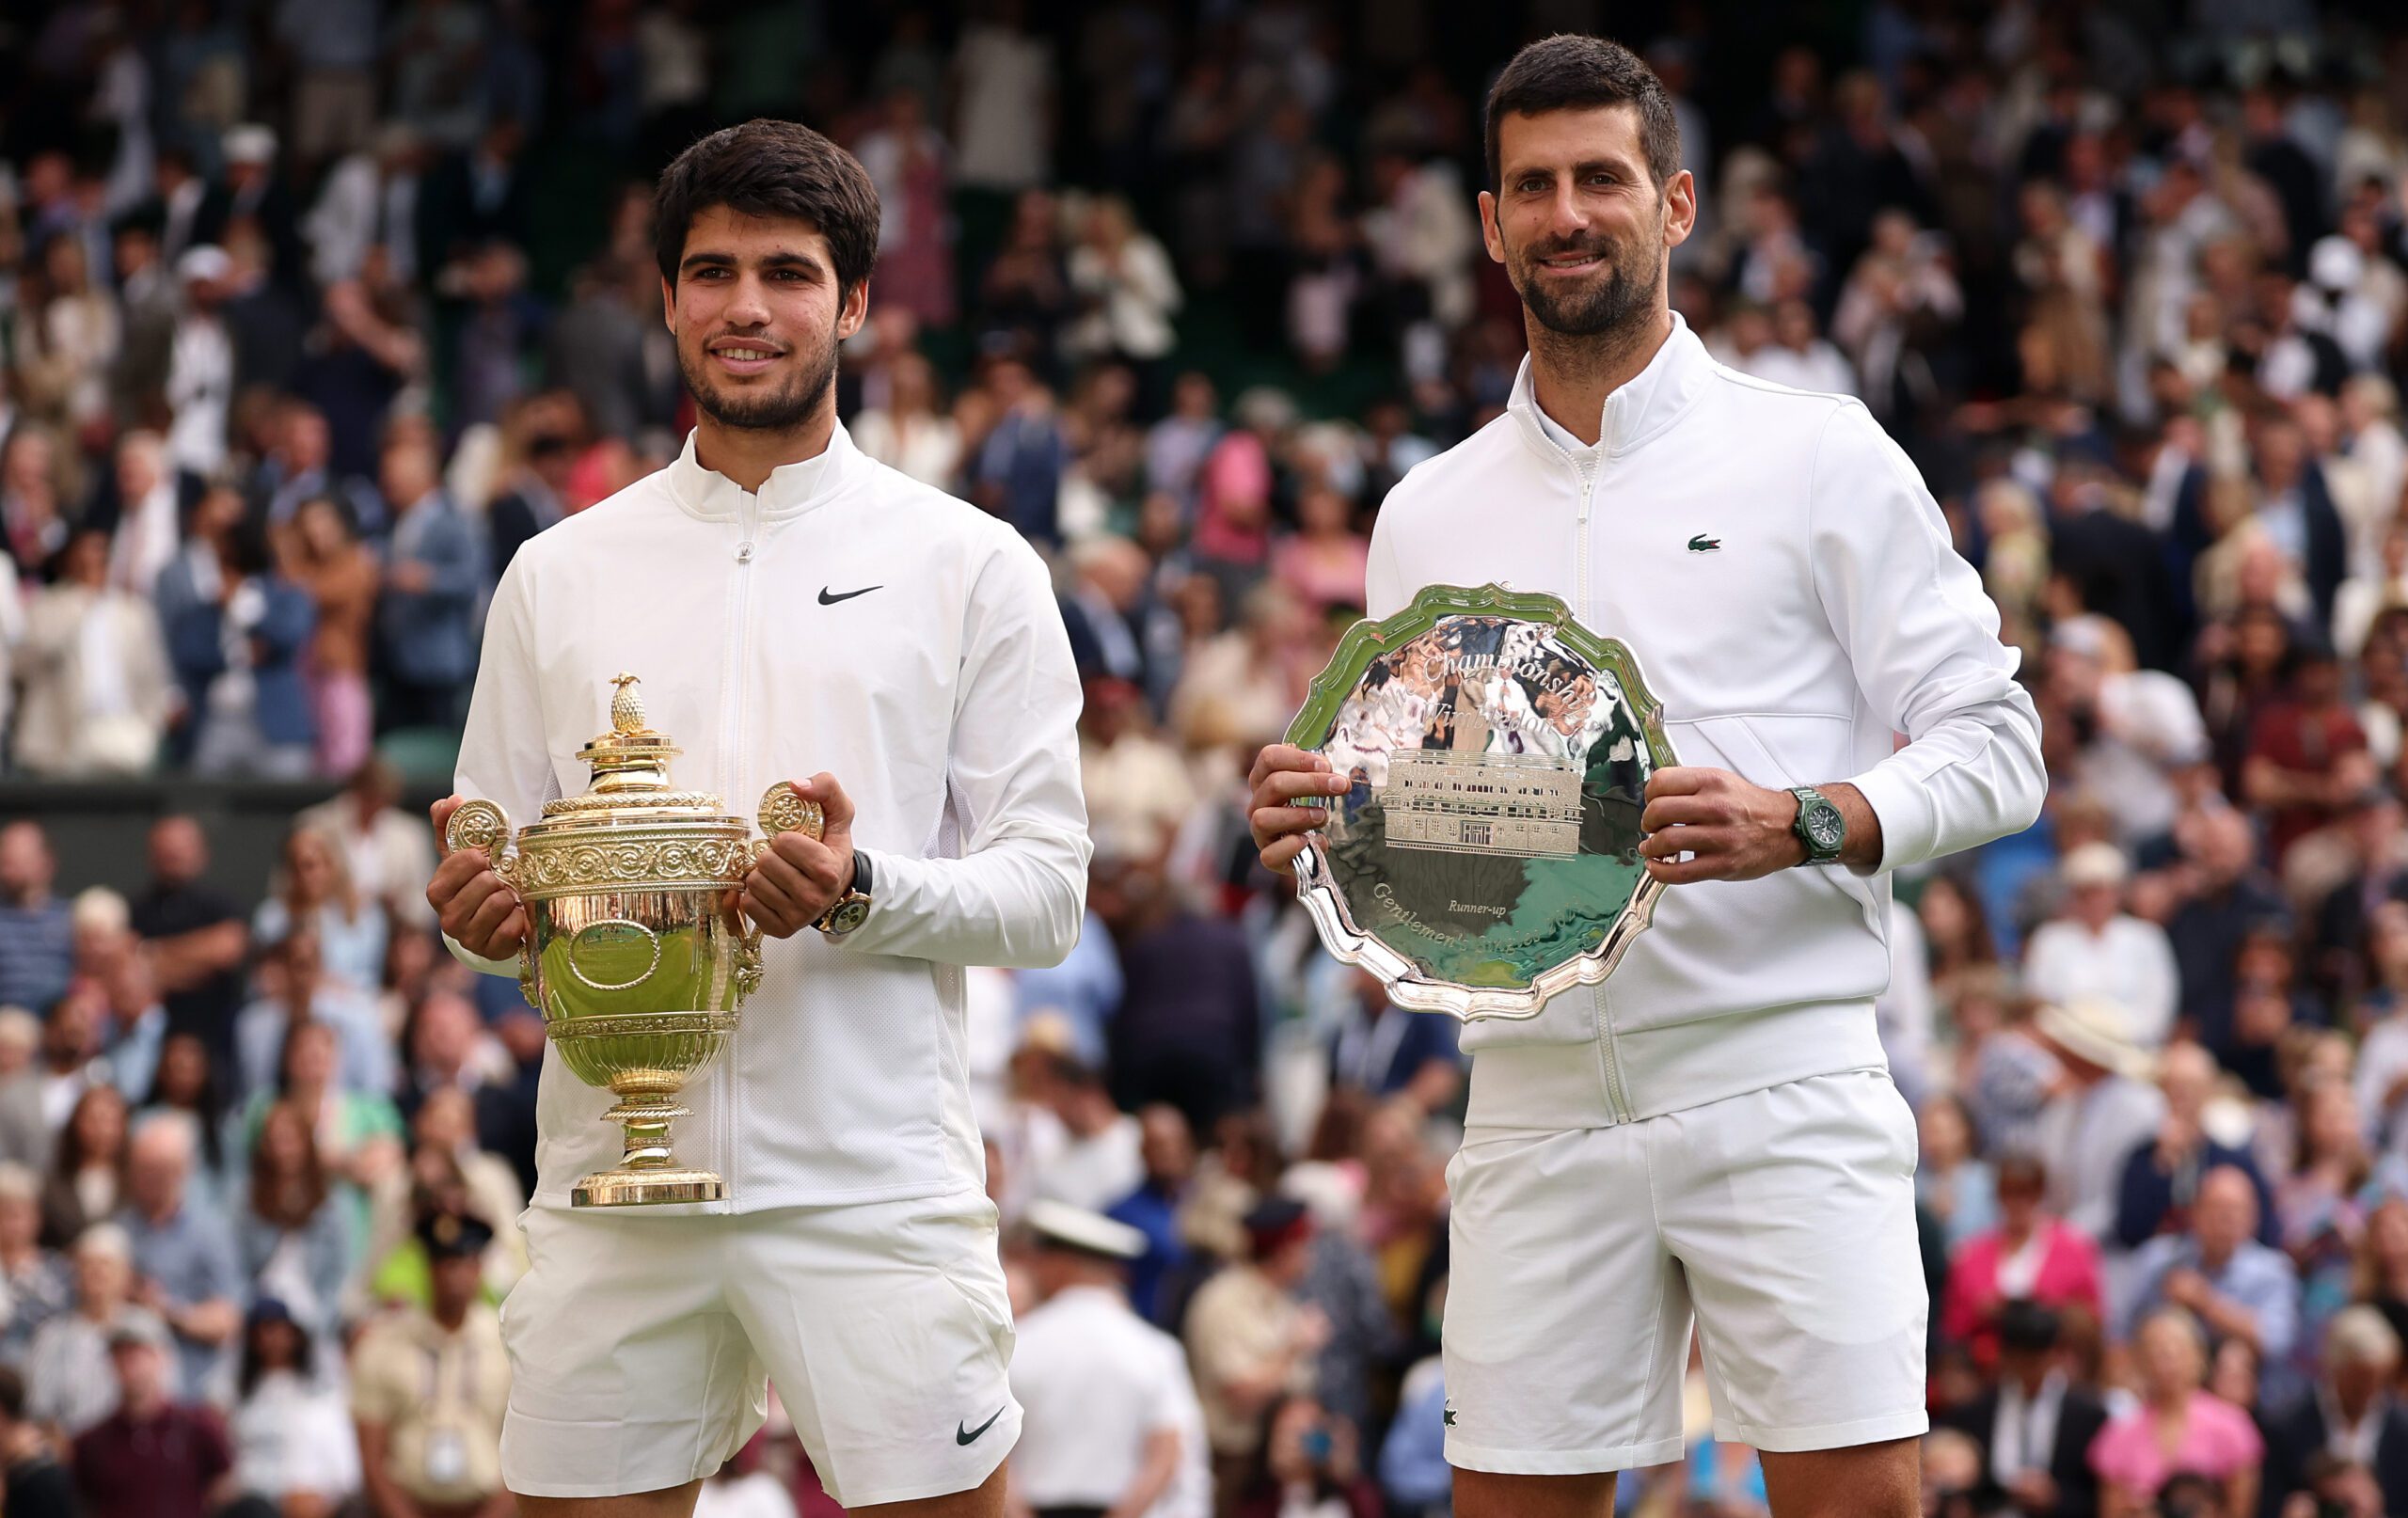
[1644,405]
[791,489]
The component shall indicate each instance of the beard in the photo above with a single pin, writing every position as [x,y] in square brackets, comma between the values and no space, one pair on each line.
[778,410]
[1611,301]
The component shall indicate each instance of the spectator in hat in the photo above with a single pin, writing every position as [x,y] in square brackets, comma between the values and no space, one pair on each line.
[293,1443]
[1251,1339]
[1110,1422]
[428,1386]
[153,1457]
[70,1381]
[2351,1412]
[2034,1425]
[2103,1108]
[33,1483]
[257,204]
[200,367]
[2098,951]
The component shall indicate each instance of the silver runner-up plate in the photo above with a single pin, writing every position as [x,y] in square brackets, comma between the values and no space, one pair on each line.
[1487,855]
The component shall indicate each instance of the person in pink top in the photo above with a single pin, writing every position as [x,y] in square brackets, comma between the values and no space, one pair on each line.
[2179,1428]
[2028,1256]
[1323,561]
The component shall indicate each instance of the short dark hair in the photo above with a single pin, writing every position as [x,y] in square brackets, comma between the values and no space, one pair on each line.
[1571,72]
[769,167]
[2027,1325]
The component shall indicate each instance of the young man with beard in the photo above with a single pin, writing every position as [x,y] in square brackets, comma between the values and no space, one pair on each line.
[794,609]
[1711,1136]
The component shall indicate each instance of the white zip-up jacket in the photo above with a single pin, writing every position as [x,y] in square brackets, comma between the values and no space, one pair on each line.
[938,688]
[1788,586]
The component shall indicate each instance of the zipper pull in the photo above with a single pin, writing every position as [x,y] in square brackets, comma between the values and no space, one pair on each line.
[744,553]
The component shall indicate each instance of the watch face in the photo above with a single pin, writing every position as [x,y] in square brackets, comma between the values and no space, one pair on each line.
[848,917]
[1825,827]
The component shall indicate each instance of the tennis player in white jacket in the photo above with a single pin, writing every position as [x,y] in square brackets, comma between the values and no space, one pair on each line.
[1711,1135]
[795,609]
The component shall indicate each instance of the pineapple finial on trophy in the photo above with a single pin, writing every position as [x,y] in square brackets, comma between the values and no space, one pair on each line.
[626,707]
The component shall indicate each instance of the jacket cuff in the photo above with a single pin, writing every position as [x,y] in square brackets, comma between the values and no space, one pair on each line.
[476,961]
[1909,823]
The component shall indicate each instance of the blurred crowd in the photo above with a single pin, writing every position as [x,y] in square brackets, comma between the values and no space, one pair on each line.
[313,311]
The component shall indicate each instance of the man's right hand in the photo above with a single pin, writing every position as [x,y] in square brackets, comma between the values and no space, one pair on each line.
[478,911]
[1283,772]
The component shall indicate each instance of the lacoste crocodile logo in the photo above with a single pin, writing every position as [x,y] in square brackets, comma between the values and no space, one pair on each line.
[1702,544]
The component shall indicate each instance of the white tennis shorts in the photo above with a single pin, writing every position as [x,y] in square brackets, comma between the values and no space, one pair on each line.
[641,1346]
[1783,1221]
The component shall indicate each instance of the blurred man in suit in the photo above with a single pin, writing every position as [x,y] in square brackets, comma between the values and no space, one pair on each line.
[2034,1426]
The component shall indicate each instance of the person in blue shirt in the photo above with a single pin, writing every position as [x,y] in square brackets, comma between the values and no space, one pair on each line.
[185,1261]
[430,616]
[1383,1051]
[1168,1148]
[37,930]
[2238,1287]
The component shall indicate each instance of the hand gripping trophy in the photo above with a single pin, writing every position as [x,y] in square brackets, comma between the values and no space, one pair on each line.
[636,953]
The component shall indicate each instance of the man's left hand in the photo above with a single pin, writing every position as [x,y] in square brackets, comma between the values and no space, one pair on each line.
[1734,830]
[794,884]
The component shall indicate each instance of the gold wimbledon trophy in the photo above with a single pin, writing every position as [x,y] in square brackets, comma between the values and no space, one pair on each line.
[635,953]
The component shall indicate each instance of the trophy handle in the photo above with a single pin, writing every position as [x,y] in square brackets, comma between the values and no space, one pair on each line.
[783,809]
[482,824]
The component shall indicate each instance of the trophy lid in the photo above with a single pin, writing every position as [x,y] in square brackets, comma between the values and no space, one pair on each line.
[631,767]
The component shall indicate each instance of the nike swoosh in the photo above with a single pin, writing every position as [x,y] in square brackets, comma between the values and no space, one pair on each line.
[828,599]
[965,1435]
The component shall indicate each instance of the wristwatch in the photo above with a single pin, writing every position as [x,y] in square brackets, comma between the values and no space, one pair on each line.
[848,911]
[1819,824]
